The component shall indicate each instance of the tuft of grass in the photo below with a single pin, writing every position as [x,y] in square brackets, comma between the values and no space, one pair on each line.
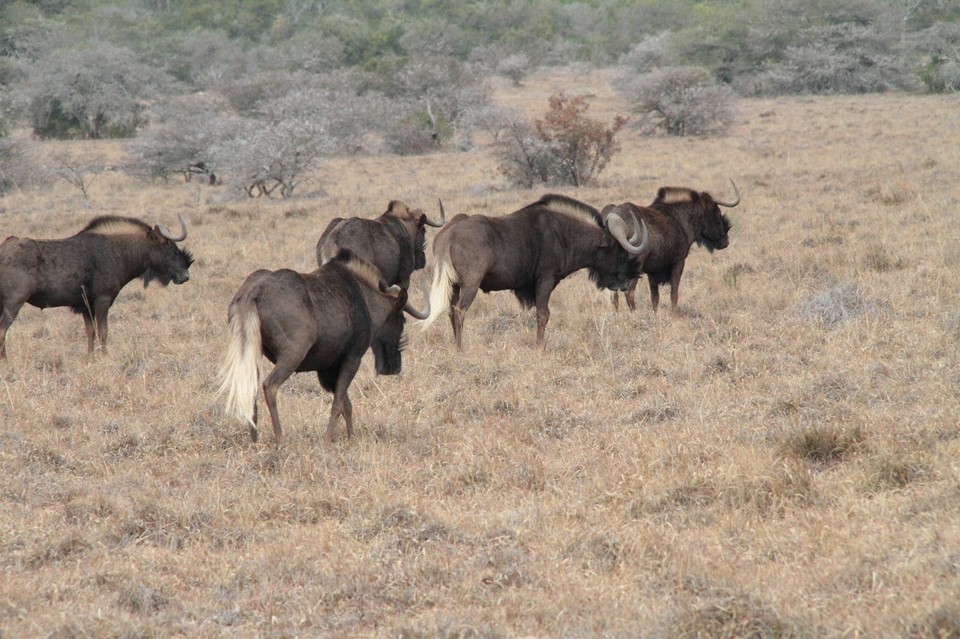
[824,443]
[722,614]
[879,259]
[142,599]
[890,471]
[942,623]
[840,304]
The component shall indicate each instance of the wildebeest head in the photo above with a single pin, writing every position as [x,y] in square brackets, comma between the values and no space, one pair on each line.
[389,302]
[167,261]
[399,210]
[712,227]
[617,254]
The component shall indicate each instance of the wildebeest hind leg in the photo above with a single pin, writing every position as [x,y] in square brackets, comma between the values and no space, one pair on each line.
[458,311]
[254,434]
[271,385]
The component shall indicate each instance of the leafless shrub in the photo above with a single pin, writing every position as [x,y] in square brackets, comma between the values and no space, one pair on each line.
[565,147]
[78,173]
[182,134]
[17,169]
[94,90]
[514,67]
[839,58]
[431,99]
[679,101]
[651,53]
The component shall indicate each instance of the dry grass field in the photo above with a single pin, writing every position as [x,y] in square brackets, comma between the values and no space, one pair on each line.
[780,458]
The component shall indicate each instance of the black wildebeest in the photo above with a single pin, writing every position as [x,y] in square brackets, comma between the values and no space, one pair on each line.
[677,218]
[529,252]
[86,271]
[393,242]
[322,321]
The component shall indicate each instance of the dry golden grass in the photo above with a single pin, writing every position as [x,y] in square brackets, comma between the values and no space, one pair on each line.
[778,459]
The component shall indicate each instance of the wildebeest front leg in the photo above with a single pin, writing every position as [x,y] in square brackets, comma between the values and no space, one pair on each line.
[675,285]
[631,294]
[95,324]
[544,289]
[90,326]
[654,293]
[341,401]
[8,312]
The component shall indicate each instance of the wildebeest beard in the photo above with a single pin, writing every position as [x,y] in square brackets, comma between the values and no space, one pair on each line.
[614,280]
[169,274]
[719,243]
[388,354]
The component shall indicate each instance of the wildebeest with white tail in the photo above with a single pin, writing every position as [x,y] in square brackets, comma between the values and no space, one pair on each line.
[393,242]
[322,321]
[85,272]
[529,252]
[677,218]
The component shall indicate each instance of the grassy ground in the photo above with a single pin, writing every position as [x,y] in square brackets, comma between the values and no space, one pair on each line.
[778,459]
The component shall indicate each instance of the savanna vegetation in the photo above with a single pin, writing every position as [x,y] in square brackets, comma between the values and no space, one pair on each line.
[777,459]
[260,92]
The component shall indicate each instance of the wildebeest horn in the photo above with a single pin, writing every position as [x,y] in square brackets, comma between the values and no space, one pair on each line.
[164,231]
[735,202]
[618,230]
[425,313]
[443,217]
[636,228]
[408,307]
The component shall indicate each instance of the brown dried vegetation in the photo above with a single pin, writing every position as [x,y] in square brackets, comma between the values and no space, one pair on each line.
[755,465]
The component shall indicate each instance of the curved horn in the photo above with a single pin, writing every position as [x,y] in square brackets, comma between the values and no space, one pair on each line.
[443,217]
[164,231]
[618,229]
[425,313]
[735,202]
[636,227]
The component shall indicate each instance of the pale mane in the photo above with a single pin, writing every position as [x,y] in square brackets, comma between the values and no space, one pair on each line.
[674,195]
[571,208]
[365,272]
[113,225]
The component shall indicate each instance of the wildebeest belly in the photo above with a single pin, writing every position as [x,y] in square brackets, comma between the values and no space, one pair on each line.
[75,299]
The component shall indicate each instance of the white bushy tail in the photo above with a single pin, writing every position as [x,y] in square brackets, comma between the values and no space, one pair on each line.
[444,277]
[240,373]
